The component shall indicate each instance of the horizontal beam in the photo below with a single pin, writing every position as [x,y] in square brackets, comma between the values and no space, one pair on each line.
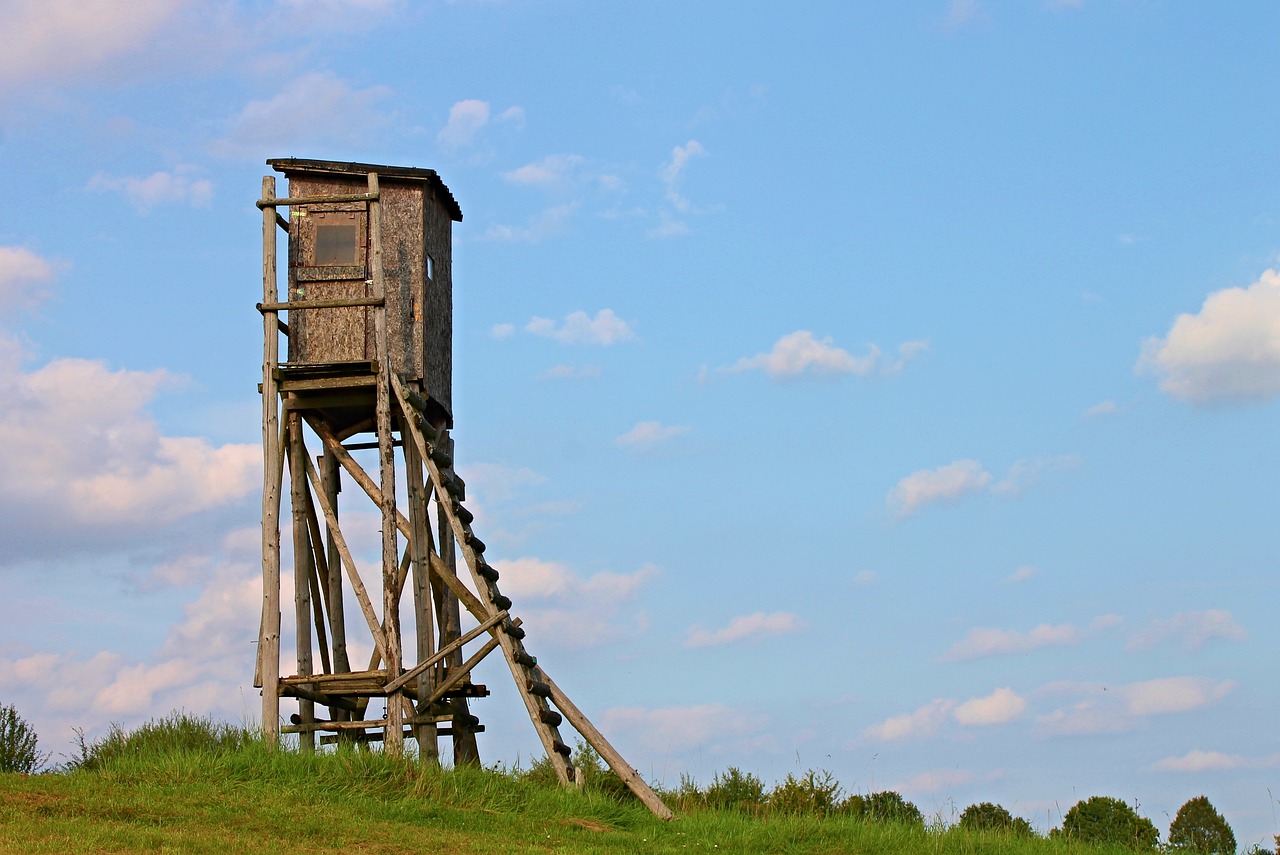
[445,651]
[341,303]
[317,200]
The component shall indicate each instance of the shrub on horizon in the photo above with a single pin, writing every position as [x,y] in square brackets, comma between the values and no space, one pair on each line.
[18,743]
[1102,820]
[992,817]
[885,806]
[816,792]
[177,732]
[1199,827]
[735,790]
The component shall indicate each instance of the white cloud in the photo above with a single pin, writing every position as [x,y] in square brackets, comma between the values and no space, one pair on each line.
[1102,408]
[1027,473]
[55,39]
[502,331]
[923,722]
[1227,352]
[932,486]
[1196,761]
[180,185]
[1192,628]
[1024,573]
[1173,695]
[553,170]
[605,328]
[933,780]
[23,278]
[569,610]
[673,170]
[77,446]
[302,114]
[801,353]
[547,223]
[466,118]
[565,371]
[960,478]
[745,627]
[1000,707]
[1116,708]
[981,642]
[963,12]
[647,435]
[680,729]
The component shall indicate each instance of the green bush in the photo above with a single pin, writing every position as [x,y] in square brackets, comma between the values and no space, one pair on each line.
[18,740]
[885,806]
[735,790]
[991,817]
[817,792]
[175,733]
[1199,827]
[1102,820]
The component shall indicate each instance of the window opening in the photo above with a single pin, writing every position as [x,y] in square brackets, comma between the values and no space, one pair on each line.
[335,246]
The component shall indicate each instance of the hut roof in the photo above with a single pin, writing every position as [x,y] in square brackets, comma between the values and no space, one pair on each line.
[334,167]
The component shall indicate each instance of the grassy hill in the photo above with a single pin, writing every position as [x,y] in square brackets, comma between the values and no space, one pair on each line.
[227,794]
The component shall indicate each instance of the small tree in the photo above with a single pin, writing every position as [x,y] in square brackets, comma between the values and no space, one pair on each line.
[735,790]
[818,792]
[884,806]
[1199,827]
[992,817]
[1101,820]
[18,740]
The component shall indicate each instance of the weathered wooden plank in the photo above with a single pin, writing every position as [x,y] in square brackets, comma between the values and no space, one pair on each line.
[294,201]
[439,655]
[362,595]
[606,751]
[269,639]
[302,568]
[421,547]
[336,303]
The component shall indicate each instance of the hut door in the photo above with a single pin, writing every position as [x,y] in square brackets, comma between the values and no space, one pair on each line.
[330,262]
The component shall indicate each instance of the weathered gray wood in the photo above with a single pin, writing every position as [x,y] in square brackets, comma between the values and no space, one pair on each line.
[291,201]
[607,752]
[465,747]
[269,640]
[339,303]
[475,632]
[457,675]
[336,610]
[362,595]
[302,569]
[421,547]
[387,466]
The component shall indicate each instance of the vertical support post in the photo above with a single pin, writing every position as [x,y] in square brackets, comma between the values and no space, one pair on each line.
[269,638]
[449,615]
[393,737]
[337,614]
[420,546]
[303,568]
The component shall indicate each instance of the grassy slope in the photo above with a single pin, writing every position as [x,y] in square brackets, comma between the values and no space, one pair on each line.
[249,800]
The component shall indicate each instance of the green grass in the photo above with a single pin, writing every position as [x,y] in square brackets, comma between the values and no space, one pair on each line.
[178,789]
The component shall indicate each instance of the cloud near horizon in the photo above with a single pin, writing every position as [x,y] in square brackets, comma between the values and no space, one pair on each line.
[1002,706]
[604,329]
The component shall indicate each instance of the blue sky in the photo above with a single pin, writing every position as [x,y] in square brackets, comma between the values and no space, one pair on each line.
[887,388]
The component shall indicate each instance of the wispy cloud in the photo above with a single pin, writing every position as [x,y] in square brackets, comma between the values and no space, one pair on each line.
[1192,629]
[1228,352]
[1024,573]
[647,435]
[605,328]
[800,353]
[1104,708]
[182,184]
[466,118]
[1197,761]
[24,278]
[682,729]
[981,642]
[302,114]
[745,627]
[1002,706]
[944,484]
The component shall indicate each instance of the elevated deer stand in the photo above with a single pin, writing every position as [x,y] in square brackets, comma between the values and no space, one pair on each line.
[369,331]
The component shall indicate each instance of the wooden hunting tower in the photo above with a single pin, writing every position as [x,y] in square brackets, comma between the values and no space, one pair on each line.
[368,325]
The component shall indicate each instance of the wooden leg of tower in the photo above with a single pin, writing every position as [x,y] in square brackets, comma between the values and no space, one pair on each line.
[465,749]
[333,558]
[302,570]
[421,547]
[269,640]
